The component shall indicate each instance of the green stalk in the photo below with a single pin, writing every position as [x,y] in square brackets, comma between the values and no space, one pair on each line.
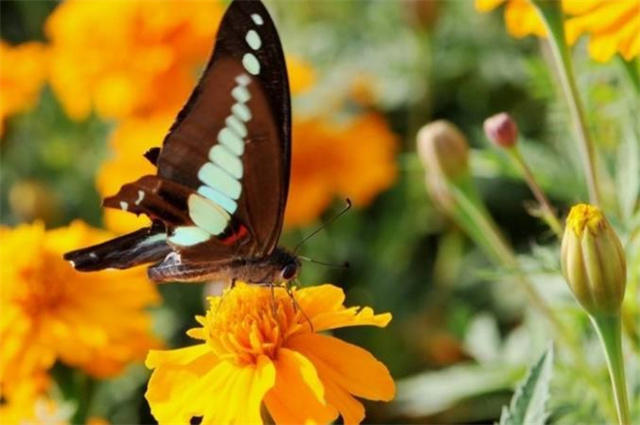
[548,214]
[553,18]
[609,330]
[476,221]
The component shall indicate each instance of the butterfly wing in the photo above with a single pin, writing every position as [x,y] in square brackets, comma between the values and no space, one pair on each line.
[231,141]
[223,170]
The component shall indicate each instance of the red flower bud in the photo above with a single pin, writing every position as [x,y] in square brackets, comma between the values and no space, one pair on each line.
[501,129]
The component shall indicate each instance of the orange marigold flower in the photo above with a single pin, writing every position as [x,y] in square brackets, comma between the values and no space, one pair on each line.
[128,57]
[259,349]
[128,142]
[354,159]
[95,321]
[613,26]
[22,74]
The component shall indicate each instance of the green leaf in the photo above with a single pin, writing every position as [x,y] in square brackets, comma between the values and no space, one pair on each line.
[528,405]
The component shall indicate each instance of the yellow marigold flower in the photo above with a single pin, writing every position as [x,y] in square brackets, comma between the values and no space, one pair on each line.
[354,159]
[19,398]
[302,76]
[20,82]
[613,26]
[95,321]
[128,57]
[258,349]
[520,16]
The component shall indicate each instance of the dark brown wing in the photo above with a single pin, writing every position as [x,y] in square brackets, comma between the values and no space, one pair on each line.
[241,104]
[223,170]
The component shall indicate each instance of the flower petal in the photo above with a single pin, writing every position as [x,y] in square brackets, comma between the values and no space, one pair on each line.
[298,395]
[320,299]
[180,356]
[353,316]
[349,366]
[244,395]
[351,410]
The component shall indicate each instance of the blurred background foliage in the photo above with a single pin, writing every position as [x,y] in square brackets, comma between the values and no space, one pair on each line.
[461,337]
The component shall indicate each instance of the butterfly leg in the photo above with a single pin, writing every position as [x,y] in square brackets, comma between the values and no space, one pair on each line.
[296,306]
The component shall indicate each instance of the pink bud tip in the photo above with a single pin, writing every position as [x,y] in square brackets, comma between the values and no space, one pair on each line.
[501,129]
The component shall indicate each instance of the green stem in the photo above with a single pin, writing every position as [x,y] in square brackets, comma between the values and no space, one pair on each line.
[553,17]
[548,213]
[476,221]
[609,329]
[632,71]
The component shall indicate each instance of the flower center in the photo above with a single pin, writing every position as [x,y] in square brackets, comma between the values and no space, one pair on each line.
[249,321]
[41,290]
[584,216]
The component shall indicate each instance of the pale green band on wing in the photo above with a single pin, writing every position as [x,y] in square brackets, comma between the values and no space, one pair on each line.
[224,201]
[231,141]
[257,19]
[251,64]
[241,111]
[230,163]
[241,94]
[207,215]
[216,178]
[153,239]
[236,126]
[188,235]
[253,39]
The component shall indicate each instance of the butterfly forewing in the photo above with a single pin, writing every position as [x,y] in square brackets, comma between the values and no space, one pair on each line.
[231,142]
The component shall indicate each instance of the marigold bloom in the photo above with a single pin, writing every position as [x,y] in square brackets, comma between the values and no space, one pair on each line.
[128,57]
[354,159]
[613,26]
[258,348]
[22,74]
[593,260]
[95,321]
[521,17]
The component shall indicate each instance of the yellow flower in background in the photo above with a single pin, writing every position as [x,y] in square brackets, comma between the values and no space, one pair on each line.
[520,16]
[613,26]
[128,58]
[19,398]
[22,74]
[354,159]
[93,321]
[258,349]
[302,76]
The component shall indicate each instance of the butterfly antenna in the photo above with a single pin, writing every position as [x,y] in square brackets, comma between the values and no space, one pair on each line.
[331,220]
[344,265]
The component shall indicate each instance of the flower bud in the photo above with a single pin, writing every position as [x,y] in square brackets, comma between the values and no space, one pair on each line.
[501,129]
[444,152]
[593,261]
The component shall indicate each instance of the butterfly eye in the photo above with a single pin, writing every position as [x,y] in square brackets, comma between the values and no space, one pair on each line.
[289,271]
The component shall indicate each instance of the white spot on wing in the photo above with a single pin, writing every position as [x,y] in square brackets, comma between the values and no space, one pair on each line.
[243,79]
[253,39]
[251,64]
[140,197]
[123,205]
[257,19]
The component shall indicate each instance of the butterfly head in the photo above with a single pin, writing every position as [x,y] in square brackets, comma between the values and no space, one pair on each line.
[287,264]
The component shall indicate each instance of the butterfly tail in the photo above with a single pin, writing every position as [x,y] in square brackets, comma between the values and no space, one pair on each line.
[142,246]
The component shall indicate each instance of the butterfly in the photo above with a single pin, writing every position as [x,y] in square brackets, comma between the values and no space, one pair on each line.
[218,198]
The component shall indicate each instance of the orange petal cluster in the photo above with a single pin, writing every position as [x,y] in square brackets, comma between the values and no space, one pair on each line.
[259,348]
[22,74]
[128,58]
[354,159]
[96,322]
